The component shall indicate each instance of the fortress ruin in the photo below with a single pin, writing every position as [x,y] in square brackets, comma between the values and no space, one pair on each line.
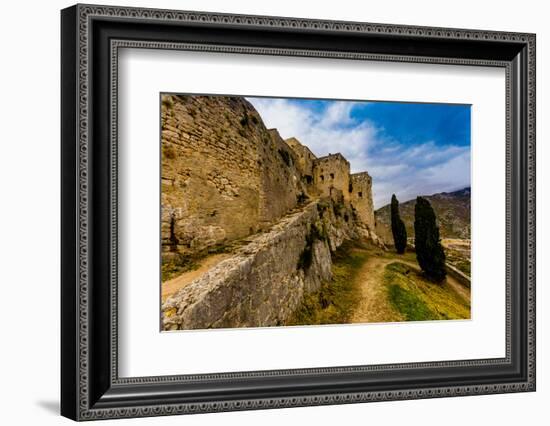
[225,178]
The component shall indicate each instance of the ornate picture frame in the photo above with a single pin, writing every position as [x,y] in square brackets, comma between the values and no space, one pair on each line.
[91,37]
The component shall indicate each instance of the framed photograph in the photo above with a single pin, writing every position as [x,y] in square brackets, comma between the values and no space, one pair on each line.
[263,212]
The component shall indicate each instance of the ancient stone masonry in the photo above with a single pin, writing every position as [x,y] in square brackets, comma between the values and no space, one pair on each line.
[226,177]
[360,194]
[264,282]
[331,172]
[280,183]
[305,161]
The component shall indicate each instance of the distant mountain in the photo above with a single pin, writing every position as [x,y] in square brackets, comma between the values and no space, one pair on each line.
[451,208]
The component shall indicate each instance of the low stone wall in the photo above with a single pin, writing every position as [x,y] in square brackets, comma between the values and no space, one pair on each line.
[264,282]
[458,275]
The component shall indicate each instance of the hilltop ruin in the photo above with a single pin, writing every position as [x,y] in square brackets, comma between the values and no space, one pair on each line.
[227,178]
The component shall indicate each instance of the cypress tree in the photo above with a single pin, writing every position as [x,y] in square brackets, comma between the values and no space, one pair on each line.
[429,252]
[398,227]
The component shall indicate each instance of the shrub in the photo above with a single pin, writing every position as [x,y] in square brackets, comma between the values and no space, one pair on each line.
[338,207]
[318,231]
[429,252]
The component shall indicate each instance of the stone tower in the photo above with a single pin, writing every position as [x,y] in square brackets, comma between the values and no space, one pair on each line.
[360,194]
[331,172]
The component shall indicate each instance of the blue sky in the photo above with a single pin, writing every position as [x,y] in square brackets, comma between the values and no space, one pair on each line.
[409,149]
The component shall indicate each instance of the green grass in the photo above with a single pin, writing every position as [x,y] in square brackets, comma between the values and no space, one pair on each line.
[418,299]
[409,304]
[409,294]
[373,250]
[334,302]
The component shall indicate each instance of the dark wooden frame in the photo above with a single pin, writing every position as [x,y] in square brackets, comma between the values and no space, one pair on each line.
[90,386]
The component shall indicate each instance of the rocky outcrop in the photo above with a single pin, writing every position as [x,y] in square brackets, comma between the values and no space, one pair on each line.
[264,282]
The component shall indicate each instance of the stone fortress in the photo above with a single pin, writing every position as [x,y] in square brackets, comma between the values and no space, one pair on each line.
[227,180]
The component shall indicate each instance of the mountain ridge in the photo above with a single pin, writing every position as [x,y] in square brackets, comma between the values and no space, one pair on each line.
[452,210]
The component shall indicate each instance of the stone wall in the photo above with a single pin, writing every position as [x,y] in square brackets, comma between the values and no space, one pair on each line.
[305,161]
[281,183]
[224,176]
[264,282]
[331,171]
[458,275]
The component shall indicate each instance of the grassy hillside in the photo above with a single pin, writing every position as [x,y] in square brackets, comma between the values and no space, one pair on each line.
[451,208]
[370,285]
[418,299]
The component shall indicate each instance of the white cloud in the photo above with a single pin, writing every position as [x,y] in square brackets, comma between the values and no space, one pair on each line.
[451,172]
[288,118]
[331,131]
[338,114]
[396,168]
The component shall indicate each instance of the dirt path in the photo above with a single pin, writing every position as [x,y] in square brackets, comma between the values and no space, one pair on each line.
[374,305]
[170,287]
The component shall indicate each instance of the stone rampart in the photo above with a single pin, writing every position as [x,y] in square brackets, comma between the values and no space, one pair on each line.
[224,176]
[265,281]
